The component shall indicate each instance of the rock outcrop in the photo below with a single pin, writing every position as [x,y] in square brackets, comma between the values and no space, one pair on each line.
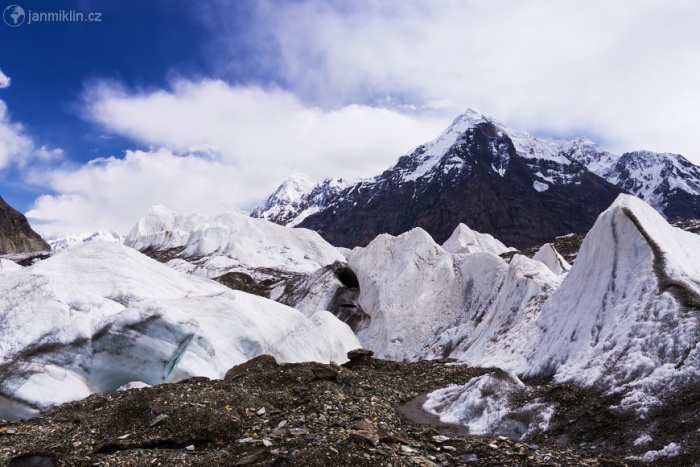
[16,235]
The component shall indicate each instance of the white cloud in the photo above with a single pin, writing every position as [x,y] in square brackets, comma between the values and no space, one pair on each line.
[112,193]
[222,148]
[264,133]
[623,72]
[4,80]
[15,145]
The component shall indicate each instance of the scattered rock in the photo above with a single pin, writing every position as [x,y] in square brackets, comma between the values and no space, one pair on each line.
[359,354]
[158,420]
[261,361]
[325,373]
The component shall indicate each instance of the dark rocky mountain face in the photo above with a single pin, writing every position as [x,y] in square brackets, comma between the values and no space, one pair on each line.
[16,236]
[480,181]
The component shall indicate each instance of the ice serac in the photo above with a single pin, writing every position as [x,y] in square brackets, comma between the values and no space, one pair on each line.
[16,235]
[466,240]
[410,288]
[626,318]
[502,325]
[425,302]
[637,286]
[212,245]
[101,315]
[551,258]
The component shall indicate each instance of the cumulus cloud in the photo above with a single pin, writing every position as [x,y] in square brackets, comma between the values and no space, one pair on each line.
[4,80]
[112,193]
[624,73]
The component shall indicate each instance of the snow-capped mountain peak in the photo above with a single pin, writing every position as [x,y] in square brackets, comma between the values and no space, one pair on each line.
[294,188]
[483,174]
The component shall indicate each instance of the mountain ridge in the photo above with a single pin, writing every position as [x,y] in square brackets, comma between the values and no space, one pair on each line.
[459,178]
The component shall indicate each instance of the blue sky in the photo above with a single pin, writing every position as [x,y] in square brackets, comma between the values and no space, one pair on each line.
[140,44]
[207,106]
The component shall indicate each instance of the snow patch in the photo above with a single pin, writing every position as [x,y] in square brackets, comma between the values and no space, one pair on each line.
[539,186]
[7,266]
[670,450]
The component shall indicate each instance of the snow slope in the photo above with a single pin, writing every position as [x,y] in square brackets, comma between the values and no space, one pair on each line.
[102,315]
[212,245]
[289,197]
[6,265]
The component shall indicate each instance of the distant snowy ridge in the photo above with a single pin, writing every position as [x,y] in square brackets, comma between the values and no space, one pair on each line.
[61,242]
[657,178]
[101,315]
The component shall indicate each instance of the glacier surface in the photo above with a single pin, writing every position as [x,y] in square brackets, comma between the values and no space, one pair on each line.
[96,317]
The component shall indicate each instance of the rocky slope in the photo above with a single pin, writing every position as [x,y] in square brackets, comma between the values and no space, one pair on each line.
[363,413]
[16,236]
[520,189]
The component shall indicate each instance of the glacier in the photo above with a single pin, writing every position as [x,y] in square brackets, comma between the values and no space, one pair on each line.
[98,316]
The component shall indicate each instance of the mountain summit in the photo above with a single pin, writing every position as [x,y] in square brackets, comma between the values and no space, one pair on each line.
[521,189]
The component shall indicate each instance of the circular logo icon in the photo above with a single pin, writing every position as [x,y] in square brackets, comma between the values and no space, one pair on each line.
[14,16]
